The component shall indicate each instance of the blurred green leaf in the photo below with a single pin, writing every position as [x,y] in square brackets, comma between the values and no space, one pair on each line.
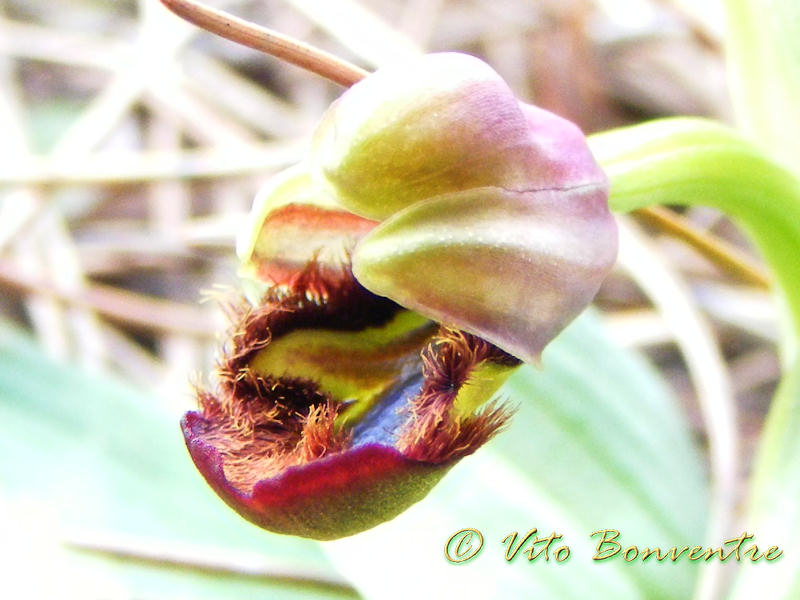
[696,162]
[690,161]
[598,443]
[774,512]
[105,466]
[49,119]
[763,45]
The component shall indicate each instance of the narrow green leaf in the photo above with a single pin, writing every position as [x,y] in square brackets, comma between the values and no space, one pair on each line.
[103,461]
[774,512]
[696,162]
[598,442]
[763,47]
[691,161]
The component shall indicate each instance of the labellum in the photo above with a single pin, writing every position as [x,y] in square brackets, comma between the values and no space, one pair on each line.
[439,233]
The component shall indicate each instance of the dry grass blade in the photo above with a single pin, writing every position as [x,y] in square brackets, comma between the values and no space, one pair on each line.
[708,373]
[205,560]
[135,310]
[240,159]
[730,259]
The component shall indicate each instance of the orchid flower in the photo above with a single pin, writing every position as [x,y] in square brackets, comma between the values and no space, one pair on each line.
[438,234]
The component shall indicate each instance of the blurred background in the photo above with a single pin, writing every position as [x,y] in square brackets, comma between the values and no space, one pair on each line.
[132,145]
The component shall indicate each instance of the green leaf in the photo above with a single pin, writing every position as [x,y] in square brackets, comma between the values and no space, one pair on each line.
[104,465]
[696,162]
[50,119]
[774,512]
[763,45]
[598,442]
[691,161]
[762,41]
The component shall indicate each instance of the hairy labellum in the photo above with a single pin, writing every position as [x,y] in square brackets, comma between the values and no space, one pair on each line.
[336,409]
[439,233]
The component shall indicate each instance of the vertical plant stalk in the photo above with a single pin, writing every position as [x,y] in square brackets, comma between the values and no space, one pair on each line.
[764,67]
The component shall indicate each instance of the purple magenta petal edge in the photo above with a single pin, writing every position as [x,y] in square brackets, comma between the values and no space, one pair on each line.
[328,498]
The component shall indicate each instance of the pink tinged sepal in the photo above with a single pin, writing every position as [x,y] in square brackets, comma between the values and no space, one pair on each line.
[292,223]
[413,130]
[494,213]
[511,267]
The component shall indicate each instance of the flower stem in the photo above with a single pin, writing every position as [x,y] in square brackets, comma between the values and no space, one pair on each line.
[265,40]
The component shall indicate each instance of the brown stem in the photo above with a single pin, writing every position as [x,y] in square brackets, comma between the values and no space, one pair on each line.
[730,259]
[265,40]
